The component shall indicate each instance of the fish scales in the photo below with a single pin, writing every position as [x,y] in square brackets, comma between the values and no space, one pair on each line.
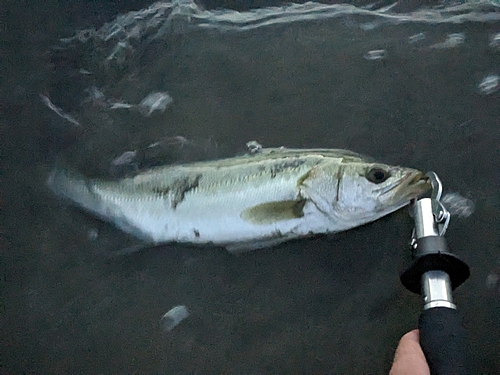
[249,201]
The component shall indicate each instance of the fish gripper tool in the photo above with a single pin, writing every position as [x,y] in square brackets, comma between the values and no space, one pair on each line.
[434,273]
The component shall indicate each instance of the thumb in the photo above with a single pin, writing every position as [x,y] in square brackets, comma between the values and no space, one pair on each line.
[409,358]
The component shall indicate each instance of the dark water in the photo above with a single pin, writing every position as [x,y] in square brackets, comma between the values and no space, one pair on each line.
[333,304]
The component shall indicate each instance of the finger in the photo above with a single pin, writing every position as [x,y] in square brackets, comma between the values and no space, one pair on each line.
[409,358]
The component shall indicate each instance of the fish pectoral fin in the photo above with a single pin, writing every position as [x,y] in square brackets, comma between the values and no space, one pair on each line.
[271,212]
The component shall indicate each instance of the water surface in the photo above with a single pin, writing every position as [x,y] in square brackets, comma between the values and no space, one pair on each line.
[333,304]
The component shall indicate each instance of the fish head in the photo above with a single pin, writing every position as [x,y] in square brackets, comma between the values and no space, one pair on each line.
[368,191]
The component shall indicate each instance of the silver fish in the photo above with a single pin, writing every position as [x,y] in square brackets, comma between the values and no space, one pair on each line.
[247,202]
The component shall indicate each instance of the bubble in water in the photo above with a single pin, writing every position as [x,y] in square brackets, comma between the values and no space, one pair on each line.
[368,26]
[123,164]
[120,105]
[490,84]
[126,158]
[453,40]
[458,205]
[495,40]
[254,147]
[416,38]
[377,54]
[156,101]
[173,317]
[492,280]
[92,234]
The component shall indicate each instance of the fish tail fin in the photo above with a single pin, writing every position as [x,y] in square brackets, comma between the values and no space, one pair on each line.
[75,187]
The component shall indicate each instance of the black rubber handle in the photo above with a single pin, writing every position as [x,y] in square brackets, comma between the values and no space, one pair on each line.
[444,341]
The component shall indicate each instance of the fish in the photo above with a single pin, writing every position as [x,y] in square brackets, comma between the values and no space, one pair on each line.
[257,200]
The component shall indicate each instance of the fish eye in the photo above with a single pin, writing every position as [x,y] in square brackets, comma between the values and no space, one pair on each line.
[377,175]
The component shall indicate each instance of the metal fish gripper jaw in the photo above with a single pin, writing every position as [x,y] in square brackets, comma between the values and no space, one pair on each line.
[433,262]
[434,273]
[431,255]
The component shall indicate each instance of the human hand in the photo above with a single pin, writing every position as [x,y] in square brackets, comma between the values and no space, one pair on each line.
[409,358]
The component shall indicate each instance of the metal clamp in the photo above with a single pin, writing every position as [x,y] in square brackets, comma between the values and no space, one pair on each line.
[435,271]
[441,214]
[432,206]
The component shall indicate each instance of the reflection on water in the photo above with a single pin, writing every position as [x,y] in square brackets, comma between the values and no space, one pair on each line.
[295,76]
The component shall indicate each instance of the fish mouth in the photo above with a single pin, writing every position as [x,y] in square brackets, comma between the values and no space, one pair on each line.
[413,185]
[409,187]
[418,178]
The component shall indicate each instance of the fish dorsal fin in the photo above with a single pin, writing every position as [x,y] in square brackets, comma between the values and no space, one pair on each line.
[271,212]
